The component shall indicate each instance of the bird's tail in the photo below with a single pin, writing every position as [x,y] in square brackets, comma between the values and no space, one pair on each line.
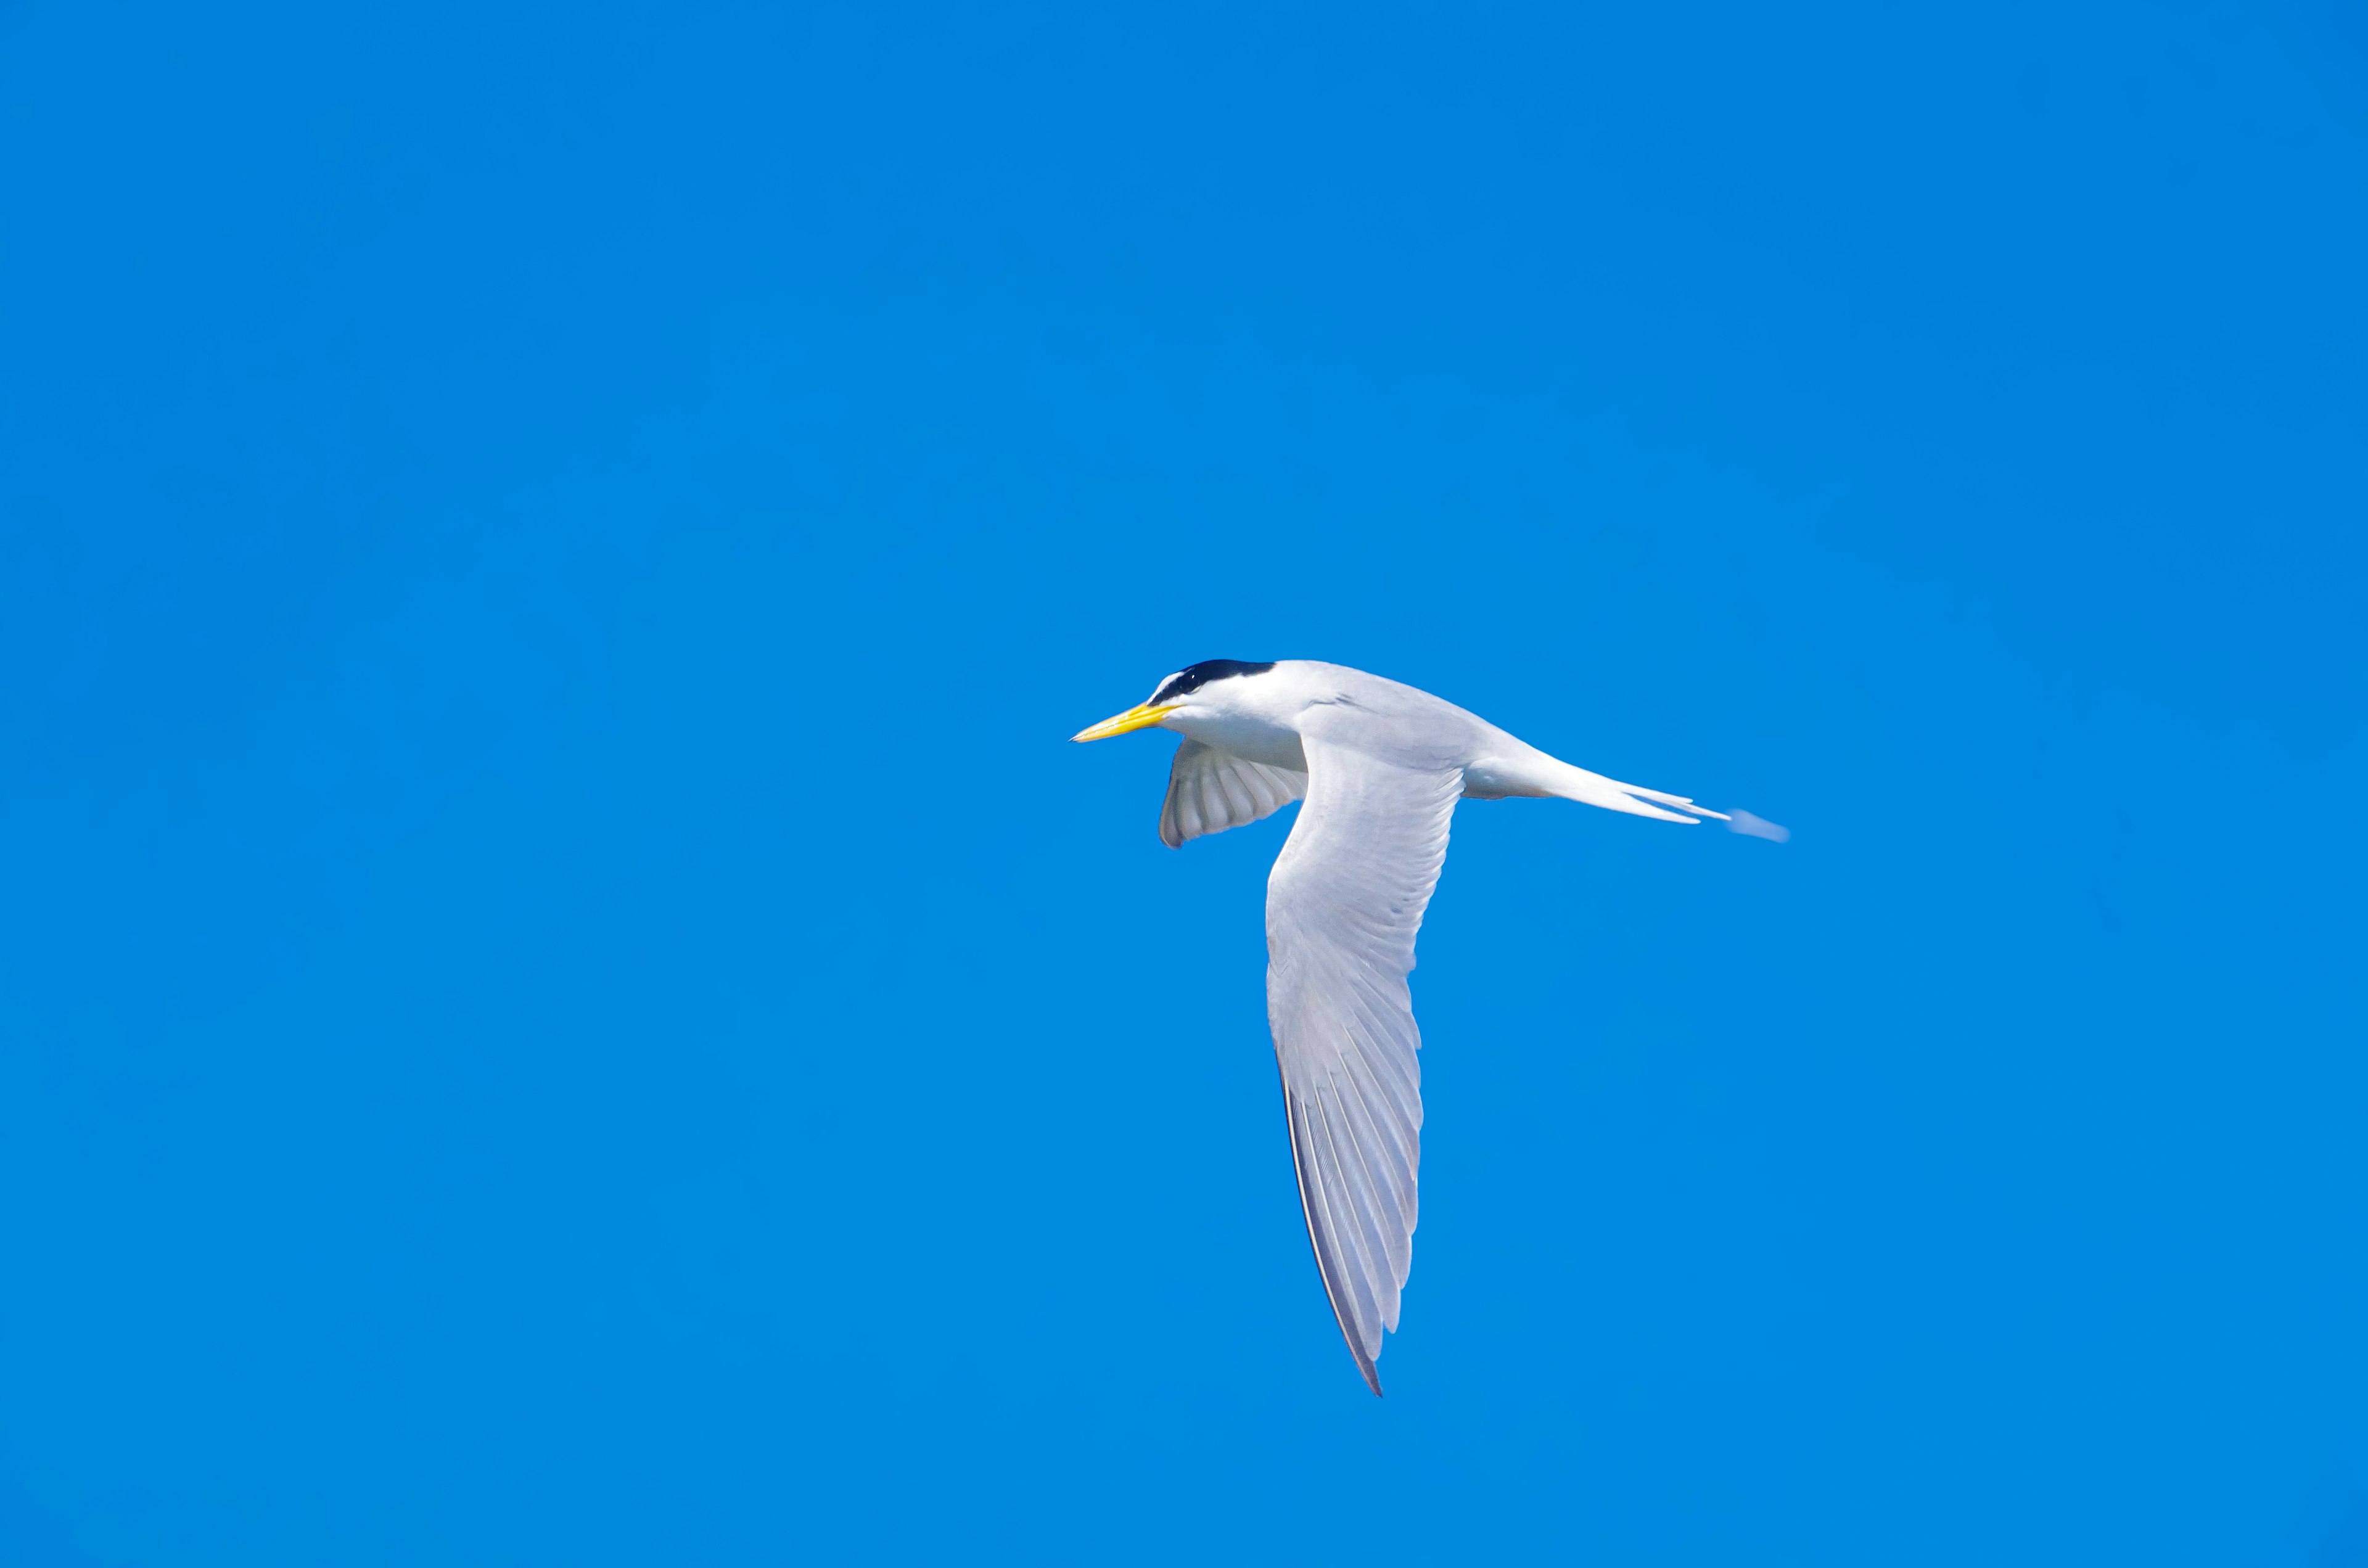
[1594,789]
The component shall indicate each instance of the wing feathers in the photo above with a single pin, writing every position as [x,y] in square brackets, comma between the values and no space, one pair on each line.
[1353,1225]
[1340,1284]
[1388,1230]
[1344,904]
[1209,790]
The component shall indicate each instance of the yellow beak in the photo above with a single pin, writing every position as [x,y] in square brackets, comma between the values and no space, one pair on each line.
[1132,718]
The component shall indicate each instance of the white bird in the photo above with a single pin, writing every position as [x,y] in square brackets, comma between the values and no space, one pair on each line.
[1380,766]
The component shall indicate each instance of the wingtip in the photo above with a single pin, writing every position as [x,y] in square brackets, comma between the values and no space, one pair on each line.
[1323,1265]
[1373,1374]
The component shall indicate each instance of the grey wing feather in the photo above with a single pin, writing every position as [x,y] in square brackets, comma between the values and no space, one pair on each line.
[1343,905]
[1209,790]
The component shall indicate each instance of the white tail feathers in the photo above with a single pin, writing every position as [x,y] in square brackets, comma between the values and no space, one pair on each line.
[1594,789]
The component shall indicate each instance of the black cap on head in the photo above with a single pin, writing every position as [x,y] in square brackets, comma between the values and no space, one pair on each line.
[1193,677]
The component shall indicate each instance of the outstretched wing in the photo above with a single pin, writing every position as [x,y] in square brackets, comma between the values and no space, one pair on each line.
[1209,790]
[1342,907]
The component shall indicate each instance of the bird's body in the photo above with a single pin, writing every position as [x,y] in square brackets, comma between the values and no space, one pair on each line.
[1380,766]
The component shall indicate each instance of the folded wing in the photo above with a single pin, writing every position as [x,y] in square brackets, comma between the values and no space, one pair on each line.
[1343,904]
[1209,790]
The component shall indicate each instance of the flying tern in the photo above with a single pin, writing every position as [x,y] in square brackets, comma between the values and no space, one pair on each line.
[1379,768]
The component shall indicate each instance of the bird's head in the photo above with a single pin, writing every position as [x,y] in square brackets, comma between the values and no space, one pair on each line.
[1209,690]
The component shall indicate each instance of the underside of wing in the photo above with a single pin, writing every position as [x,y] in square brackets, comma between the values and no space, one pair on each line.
[1344,904]
[1209,790]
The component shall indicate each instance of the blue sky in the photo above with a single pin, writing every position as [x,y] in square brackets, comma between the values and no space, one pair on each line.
[564,998]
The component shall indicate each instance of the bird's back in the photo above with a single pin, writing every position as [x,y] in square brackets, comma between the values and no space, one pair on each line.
[1390,720]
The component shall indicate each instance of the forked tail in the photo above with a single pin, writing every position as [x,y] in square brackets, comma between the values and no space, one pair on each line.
[1594,789]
